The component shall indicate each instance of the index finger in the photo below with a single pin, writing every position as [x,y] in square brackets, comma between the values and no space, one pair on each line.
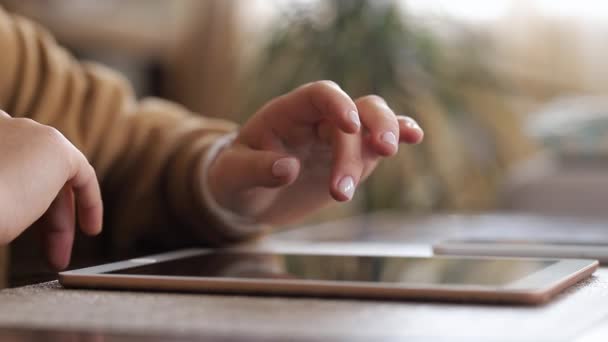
[88,196]
[314,102]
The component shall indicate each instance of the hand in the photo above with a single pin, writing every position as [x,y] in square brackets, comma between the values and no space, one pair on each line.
[304,148]
[41,176]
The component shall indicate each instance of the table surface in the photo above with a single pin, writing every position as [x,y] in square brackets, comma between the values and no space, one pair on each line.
[580,313]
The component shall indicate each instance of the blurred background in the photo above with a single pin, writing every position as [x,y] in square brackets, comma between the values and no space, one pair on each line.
[511,93]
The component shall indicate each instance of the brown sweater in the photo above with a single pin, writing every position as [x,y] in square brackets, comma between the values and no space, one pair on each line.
[147,154]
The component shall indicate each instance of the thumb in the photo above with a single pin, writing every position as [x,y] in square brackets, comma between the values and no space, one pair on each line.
[241,168]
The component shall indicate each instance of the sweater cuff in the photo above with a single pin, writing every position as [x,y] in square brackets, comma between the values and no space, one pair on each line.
[237,224]
[189,197]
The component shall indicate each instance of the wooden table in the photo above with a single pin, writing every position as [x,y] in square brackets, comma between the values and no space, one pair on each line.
[579,314]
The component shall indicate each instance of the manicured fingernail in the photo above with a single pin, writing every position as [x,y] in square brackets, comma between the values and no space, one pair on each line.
[389,138]
[347,186]
[354,117]
[284,167]
[411,123]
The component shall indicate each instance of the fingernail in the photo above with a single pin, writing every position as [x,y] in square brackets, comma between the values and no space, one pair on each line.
[354,117]
[389,138]
[284,167]
[347,186]
[411,123]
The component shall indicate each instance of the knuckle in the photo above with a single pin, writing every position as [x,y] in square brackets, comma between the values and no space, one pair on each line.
[83,169]
[392,118]
[60,146]
[53,133]
[53,136]
[277,101]
[90,170]
[352,162]
[24,123]
[373,99]
[90,176]
[324,85]
[44,134]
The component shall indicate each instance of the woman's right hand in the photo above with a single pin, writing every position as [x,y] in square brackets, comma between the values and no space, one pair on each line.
[44,179]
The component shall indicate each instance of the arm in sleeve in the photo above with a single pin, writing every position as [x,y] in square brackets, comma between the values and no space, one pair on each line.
[148,155]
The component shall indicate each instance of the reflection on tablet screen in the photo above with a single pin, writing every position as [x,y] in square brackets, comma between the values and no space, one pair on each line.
[345,268]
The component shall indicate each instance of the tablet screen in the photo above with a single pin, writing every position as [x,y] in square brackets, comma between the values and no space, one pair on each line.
[436,270]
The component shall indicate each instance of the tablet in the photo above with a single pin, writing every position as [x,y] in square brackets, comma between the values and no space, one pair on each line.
[479,279]
[525,248]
